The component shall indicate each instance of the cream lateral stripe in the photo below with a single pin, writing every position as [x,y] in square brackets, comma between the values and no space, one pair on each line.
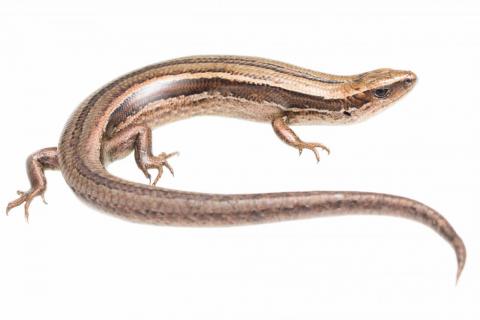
[242,87]
[261,63]
[249,75]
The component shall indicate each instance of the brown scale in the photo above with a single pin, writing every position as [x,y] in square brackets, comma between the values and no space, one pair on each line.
[118,118]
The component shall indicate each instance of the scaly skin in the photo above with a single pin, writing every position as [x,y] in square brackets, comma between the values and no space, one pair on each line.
[118,118]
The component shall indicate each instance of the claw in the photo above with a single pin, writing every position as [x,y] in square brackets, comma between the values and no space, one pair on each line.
[169,167]
[176,153]
[43,198]
[15,203]
[312,147]
[26,197]
[37,162]
[159,175]
[315,151]
[158,163]
[27,205]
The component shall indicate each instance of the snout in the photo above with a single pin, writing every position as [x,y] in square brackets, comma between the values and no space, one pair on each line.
[410,79]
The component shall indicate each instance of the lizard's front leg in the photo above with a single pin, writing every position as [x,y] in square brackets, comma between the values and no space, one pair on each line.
[287,135]
[36,164]
[138,138]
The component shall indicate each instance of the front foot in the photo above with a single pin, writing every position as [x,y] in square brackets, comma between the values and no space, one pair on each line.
[313,147]
[155,162]
[27,197]
[287,135]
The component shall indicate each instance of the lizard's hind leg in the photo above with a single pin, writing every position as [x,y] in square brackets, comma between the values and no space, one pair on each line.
[139,139]
[37,163]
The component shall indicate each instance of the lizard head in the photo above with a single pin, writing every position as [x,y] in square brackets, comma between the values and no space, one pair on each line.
[371,92]
[357,98]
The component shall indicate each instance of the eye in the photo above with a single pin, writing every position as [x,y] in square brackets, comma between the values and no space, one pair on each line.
[381,93]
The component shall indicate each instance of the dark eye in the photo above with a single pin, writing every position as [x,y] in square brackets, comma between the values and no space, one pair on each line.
[381,93]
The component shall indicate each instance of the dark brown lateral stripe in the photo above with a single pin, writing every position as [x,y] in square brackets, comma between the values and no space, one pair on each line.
[78,127]
[254,92]
[81,167]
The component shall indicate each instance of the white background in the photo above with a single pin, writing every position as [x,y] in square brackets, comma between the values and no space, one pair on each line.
[73,262]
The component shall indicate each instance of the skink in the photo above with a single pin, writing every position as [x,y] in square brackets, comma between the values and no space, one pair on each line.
[118,119]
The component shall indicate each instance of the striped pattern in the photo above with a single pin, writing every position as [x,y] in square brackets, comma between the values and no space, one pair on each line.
[250,88]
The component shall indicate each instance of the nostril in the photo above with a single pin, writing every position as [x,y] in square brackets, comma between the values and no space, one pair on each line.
[410,80]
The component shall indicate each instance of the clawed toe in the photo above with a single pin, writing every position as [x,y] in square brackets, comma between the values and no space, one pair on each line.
[313,147]
[37,162]
[158,162]
[26,197]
